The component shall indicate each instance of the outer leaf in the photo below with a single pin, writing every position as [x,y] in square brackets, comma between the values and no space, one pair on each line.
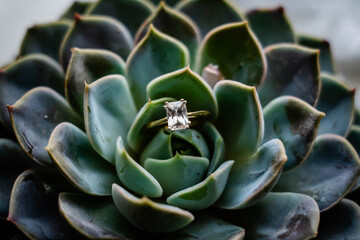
[297,217]
[185,84]
[271,26]
[108,98]
[354,138]
[295,123]
[326,61]
[175,24]
[159,147]
[87,66]
[293,70]
[148,215]
[327,175]
[96,32]
[154,56]
[240,120]
[34,206]
[340,222]
[209,14]
[131,13]
[236,51]
[337,102]
[133,175]
[71,151]
[76,7]
[250,181]
[24,74]
[44,38]
[205,193]
[34,116]
[95,217]
[177,173]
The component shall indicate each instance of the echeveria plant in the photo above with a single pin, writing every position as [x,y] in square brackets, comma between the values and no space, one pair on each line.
[269,160]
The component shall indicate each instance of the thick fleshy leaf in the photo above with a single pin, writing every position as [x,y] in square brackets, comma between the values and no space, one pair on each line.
[76,7]
[295,123]
[154,56]
[174,24]
[133,175]
[95,217]
[328,173]
[178,172]
[139,135]
[340,222]
[209,14]
[96,32]
[195,139]
[207,226]
[326,61]
[24,74]
[35,115]
[148,215]
[130,12]
[44,38]
[72,153]
[87,66]
[108,98]
[354,138]
[236,51]
[205,193]
[292,70]
[185,84]
[271,26]
[249,181]
[34,206]
[240,120]
[13,161]
[337,102]
[278,216]
[159,147]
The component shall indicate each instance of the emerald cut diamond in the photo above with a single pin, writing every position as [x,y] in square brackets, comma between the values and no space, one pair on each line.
[176,113]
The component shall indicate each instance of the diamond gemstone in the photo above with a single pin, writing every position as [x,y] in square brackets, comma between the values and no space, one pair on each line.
[177,115]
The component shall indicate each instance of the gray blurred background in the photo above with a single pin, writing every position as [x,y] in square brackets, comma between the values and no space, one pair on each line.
[338,21]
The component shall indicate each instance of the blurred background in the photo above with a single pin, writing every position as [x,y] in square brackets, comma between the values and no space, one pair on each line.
[334,20]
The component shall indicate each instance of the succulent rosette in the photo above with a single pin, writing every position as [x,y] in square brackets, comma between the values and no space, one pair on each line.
[269,160]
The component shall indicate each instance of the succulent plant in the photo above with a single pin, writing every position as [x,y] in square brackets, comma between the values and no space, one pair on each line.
[277,152]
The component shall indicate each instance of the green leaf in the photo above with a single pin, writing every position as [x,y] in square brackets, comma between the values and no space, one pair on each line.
[44,38]
[139,135]
[354,139]
[76,7]
[96,32]
[337,102]
[195,139]
[174,24]
[34,116]
[24,74]
[205,193]
[72,153]
[209,14]
[130,12]
[159,147]
[108,98]
[87,66]
[95,217]
[328,173]
[249,181]
[278,216]
[292,70]
[133,175]
[34,206]
[178,172]
[271,26]
[326,61]
[236,51]
[295,123]
[154,56]
[240,120]
[185,84]
[148,215]
[340,222]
